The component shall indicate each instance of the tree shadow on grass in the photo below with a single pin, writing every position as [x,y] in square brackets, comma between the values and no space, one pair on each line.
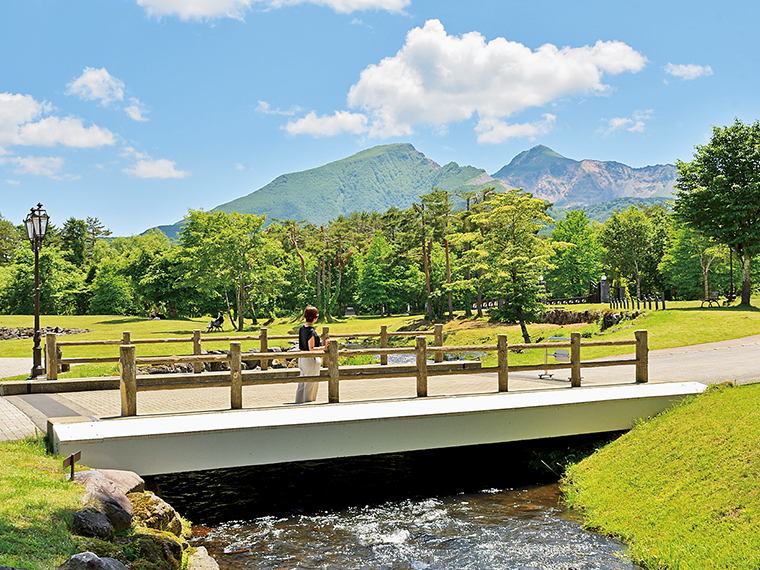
[731,309]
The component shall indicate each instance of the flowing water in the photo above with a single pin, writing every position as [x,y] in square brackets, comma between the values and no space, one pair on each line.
[424,510]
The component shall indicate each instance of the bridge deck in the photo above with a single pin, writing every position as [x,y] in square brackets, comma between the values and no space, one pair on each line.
[152,445]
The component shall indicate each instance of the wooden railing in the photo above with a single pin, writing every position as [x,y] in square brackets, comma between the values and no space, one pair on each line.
[53,345]
[236,378]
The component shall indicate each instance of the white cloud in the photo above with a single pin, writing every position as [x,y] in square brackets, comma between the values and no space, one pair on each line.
[492,130]
[239,166]
[12,182]
[97,84]
[328,125]
[19,126]
[266,109]
[635,124]
[68,131]
[688,71]
[212,9]
[136,110]
[436,79]
[38,165]
[348,6]
[161,168]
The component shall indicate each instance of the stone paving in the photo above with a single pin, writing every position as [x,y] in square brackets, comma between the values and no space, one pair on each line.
[14,424]
[733,360]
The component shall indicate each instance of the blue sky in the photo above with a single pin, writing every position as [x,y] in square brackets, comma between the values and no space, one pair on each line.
[133,111]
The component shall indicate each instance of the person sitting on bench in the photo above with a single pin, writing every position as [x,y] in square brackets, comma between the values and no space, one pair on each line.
[216,324]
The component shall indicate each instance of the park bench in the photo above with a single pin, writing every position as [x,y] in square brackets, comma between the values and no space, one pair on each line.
[216,324]
[713,298]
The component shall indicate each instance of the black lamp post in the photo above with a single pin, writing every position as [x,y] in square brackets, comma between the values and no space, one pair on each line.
[36,226]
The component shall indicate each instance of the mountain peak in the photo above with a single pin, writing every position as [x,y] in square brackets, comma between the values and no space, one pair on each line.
[538,157]
[549,175]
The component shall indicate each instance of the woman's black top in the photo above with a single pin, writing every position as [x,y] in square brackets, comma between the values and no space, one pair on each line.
[304,334]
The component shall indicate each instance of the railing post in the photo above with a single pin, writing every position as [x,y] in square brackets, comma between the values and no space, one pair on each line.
[421,366]
[51,356]
[383,343]
[197,366]
[438,342]
[236,377]
[263,362]
[128,379]
[503,354]
[663,300]
[126,338]
[642,357]
[333,383]
[575,359]
[325,336]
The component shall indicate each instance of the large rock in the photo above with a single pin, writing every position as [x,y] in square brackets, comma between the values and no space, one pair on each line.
[125,481]
[200,559]
[103,494]
[153,512]
[90,561]
[162,550]
[90,522]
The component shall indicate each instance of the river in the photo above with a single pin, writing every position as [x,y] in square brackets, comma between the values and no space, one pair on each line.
[478,508]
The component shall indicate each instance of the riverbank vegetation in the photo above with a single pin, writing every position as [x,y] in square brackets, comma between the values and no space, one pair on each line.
[36,502]
[682,489]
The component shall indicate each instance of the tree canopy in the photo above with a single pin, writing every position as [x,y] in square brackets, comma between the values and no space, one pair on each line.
[719,192]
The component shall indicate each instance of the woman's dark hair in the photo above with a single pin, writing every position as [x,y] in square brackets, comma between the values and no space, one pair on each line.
[310,313]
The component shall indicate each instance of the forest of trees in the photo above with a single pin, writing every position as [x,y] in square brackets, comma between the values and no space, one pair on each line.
[430,258]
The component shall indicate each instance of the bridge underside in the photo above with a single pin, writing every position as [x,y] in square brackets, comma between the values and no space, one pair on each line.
[172,444]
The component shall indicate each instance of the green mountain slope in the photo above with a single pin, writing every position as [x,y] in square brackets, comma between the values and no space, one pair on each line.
[372,180]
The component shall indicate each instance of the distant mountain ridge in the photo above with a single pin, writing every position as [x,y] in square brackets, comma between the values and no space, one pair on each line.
[567,182]
[397,174]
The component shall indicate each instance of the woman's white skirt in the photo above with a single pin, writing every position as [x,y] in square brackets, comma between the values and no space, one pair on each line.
[307,391]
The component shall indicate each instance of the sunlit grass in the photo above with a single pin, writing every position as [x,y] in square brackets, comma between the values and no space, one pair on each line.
[36,500]
[683,323]
[683,489]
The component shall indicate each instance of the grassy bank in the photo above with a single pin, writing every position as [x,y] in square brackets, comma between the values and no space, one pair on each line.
[684,323]
[36,500]
[682,489]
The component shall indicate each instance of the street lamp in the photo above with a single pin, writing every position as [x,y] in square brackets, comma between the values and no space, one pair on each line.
[36,226]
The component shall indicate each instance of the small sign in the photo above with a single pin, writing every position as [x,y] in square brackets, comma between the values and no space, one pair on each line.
[71,460]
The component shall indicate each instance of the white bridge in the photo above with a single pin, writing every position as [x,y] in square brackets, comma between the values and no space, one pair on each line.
[235,438]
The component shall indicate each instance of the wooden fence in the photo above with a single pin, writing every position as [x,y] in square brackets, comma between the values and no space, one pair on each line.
[236,378]
[53,346]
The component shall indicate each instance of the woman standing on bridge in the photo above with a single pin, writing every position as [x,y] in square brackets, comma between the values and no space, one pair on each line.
[308,340]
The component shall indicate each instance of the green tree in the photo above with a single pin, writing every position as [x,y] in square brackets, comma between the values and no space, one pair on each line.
[231,251]
[689,260]
[719,192]
[627,238]
[577,256]
[11,238]
[61,284]
[74,244]
[516,256]
[375,277]
[112,292]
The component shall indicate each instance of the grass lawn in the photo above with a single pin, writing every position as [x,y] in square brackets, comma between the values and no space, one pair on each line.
[36,501]
[683,323]
[683,489]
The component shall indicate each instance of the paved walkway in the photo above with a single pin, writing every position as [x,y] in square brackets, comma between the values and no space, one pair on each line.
[734,360]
